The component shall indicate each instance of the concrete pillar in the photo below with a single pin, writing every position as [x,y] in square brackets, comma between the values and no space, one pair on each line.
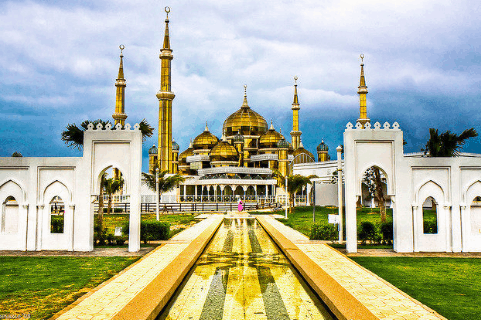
[339,192]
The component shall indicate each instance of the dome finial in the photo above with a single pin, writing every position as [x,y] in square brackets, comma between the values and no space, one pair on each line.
[272,126]
[244,104]
[167,10]
[206,127]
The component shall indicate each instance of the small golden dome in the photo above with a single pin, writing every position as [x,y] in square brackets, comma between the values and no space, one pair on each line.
[205,140]
[309,157]
[246,121]
[223,151]
[270,138]
[186,153]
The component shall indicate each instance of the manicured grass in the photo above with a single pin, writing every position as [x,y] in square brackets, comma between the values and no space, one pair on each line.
[448,285]
[43,286]
[301,217]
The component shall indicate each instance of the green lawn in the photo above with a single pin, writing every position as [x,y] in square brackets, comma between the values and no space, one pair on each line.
[43,286]
[301,217]
[448,285]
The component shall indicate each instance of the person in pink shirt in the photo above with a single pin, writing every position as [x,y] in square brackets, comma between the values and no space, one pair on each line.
[240,207]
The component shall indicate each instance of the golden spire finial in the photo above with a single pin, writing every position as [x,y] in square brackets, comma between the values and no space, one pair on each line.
[121,67]
[362,82]
[166,37]
[244,104]
[206,127]
[296,99]
[272,126]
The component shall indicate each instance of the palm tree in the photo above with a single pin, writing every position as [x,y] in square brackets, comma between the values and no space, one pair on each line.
[100,215]
[166,183]
[74,136]
[374,180]
[112,186]
[295,184]
[446,144]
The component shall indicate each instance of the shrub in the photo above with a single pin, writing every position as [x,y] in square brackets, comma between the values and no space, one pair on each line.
[430,227]
[56,224]
[110,239]
[367,231]
[99,235]
[386,229]
[120,240]
[324,232]
[151,230]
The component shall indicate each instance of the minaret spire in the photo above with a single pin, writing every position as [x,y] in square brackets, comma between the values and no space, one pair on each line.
[119,114]
[165,96]
[244,103]
[295,133]
[362,91]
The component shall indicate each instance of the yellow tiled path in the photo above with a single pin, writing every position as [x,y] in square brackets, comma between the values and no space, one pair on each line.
[379,297]
[107,301]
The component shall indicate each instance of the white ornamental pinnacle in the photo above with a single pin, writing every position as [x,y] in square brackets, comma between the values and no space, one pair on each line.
[377,126]
[127,126]
[100,126]
[108,126]
[386,125]
[367,125]
[349,126]
[90,126]
[118,126]
[137,126]
[395,126]
[358,125]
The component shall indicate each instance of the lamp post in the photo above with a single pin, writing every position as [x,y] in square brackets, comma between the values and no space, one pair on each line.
[339,191]
[287,194]
[157,193]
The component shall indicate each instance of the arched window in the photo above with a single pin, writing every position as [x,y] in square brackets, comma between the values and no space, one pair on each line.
[9,215]
[475,216]
[430,216]
[57,211]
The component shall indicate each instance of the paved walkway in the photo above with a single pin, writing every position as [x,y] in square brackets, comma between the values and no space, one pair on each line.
[142,287]
[382,299]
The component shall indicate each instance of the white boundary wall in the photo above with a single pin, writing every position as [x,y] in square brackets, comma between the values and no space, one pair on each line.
[454,183]
[33,182]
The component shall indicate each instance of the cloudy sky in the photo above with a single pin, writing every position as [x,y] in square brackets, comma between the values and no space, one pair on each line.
[59,61]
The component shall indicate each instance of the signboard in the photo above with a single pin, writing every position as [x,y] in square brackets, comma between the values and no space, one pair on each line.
[333,218]
[118,231]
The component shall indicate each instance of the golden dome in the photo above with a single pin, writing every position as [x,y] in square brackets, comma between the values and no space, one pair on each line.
[205,140]
[270,138]
[309,157]
[245,120]
[186,153]
[223,151]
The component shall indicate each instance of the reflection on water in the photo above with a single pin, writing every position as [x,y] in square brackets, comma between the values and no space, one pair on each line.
[242,275]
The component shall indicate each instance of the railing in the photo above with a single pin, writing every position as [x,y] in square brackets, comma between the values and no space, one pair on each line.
[203,206]
[115,198]
[264,157]
[246,170]
[226,198]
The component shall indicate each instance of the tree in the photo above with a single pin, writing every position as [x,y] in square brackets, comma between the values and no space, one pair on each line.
[17,154]
[374,180]
[100,215]
[166,182]
[446,144]
[112,186]
[295,184]
[74,136]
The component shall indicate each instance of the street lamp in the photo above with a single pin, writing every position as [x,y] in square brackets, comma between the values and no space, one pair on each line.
[157,193]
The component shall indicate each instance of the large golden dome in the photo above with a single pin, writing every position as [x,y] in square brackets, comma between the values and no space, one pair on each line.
[186,153]
[205,140]
[245,120]
[223,151]
[270,138]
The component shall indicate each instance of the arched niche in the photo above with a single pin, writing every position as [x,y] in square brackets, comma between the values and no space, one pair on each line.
[9,217]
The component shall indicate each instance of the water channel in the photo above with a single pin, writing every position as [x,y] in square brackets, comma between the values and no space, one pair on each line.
[243,275]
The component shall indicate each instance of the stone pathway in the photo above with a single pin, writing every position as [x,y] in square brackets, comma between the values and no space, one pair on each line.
[139,290]
[98,252]
[382,299]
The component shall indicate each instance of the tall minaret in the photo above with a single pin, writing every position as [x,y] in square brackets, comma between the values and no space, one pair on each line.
[362,91]
[295,133]
[119,115]
[165,96]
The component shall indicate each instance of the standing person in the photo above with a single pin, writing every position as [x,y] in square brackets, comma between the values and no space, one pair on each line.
[240,207]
